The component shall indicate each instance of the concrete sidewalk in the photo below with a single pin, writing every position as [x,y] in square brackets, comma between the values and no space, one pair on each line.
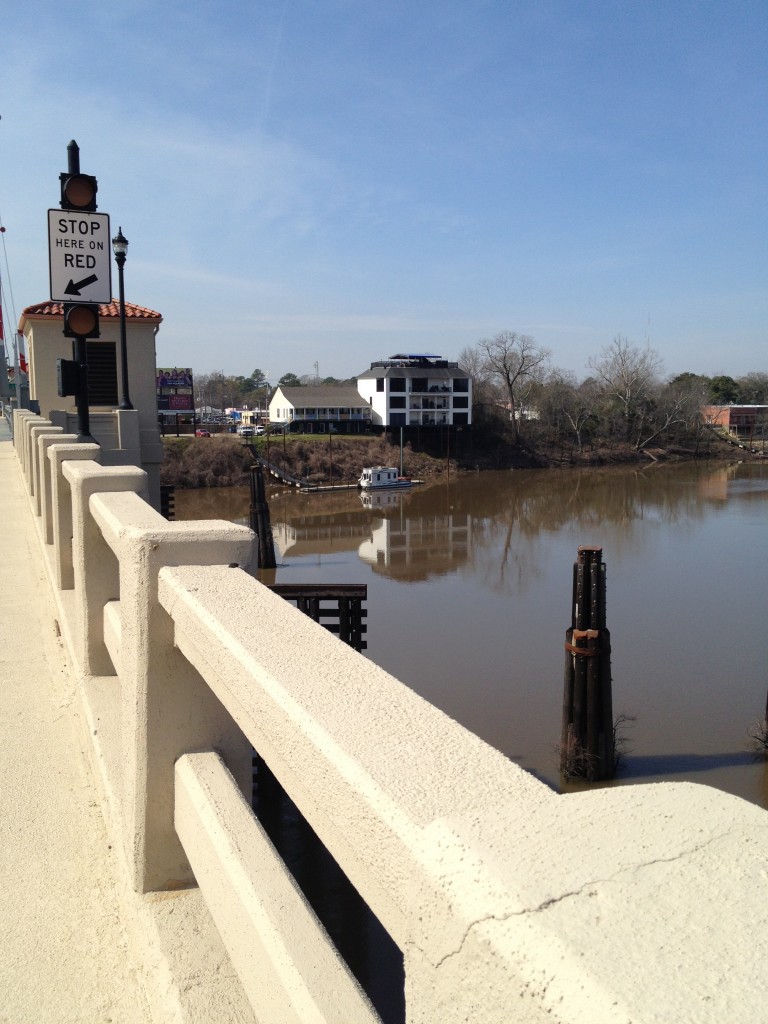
[64,953]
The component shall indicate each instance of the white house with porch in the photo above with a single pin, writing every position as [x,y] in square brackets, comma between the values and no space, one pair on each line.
[335,409]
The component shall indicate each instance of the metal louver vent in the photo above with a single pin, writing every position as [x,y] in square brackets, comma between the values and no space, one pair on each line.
[101,357]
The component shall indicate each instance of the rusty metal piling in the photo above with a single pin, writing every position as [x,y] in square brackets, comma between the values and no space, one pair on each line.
[587,740]
[259,519]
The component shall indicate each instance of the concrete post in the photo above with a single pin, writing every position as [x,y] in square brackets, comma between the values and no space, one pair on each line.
[128,433]
[46,481]
[61,502]
[96,571]
[39,467]
[167,707]
[20,418]
[28,422]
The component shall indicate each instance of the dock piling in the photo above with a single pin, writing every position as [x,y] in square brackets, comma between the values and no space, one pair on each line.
[587,741]
[260,522]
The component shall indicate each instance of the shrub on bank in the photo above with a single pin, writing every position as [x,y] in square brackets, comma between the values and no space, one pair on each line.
[224,461]
[205,462]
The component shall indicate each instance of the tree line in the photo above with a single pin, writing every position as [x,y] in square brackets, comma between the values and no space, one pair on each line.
[625,398]
[218,391]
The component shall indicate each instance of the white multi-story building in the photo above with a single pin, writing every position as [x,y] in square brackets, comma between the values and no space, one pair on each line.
[417,391]
[402,391]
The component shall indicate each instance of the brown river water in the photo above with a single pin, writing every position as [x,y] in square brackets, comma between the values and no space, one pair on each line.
[469,596]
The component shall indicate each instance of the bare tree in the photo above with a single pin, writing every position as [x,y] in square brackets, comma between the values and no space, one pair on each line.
[570,404]
[214,391]
[518,364]
[753,388]
[628,375]
[668,408]
[472,361]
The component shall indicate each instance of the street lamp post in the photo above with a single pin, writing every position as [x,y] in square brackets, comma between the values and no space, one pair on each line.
[120,249]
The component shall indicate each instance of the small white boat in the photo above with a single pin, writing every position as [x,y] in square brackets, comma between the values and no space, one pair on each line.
[374,478]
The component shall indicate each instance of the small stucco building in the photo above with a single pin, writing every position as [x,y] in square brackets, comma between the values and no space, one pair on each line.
[127,437]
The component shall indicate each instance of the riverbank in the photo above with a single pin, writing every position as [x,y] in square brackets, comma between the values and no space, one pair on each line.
[224,460]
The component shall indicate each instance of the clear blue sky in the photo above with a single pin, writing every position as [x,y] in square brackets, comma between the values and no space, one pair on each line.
[334,181]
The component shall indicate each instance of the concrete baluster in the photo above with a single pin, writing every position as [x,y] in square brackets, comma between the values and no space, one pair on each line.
[46,478]
[44,429]
[167,708]
[21,421]
[28,424]
[61,502]
[96,570]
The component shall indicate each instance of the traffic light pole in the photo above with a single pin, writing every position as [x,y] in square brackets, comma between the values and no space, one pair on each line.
[81,395]
[81,316]
[73,158]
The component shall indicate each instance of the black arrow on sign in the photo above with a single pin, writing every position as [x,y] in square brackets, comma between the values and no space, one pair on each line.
[74,289]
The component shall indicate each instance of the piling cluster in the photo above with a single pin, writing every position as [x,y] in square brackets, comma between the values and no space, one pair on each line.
[587,747]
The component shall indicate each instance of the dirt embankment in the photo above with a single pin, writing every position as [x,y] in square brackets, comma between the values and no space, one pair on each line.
[224,460]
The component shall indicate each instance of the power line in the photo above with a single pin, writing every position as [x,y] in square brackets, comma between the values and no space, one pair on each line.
[6,287]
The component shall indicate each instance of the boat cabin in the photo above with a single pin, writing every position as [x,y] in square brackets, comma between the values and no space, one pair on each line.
[381,476]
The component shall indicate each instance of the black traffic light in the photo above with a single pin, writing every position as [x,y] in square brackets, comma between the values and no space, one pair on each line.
[78,192]
[81,320]
[67,377]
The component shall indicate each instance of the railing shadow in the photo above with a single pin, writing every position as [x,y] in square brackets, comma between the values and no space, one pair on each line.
[365,945]
[369,951]
[638,766]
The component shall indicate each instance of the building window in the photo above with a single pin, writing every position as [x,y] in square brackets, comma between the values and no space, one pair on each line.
[396,384]
[460,419]
[397,419]
[397,402]
[461,403]
[461,384]
[101,357]
[380,384]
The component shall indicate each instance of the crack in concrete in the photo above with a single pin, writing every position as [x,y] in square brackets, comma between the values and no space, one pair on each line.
[554,900]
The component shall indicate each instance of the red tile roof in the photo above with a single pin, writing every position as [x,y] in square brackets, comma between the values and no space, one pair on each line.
[107,310]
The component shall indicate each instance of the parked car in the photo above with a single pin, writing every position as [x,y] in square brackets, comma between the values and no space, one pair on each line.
[202,433]
[246,431]
[259,431]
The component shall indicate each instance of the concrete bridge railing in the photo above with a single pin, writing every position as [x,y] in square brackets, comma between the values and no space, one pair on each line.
[509,902]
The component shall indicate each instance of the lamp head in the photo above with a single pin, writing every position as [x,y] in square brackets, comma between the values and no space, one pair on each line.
[120,244]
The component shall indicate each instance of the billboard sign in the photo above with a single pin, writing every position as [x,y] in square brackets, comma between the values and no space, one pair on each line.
[175,391]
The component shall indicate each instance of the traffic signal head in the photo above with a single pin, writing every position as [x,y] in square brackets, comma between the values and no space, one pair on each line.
[78,192]
[67,377]
[81,320]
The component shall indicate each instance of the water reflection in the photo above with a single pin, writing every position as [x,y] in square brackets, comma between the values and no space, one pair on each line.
[469,597]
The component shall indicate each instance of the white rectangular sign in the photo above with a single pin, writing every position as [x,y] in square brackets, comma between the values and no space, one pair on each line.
[80,255]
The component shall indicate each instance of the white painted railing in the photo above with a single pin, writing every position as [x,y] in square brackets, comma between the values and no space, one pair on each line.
[510,903]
